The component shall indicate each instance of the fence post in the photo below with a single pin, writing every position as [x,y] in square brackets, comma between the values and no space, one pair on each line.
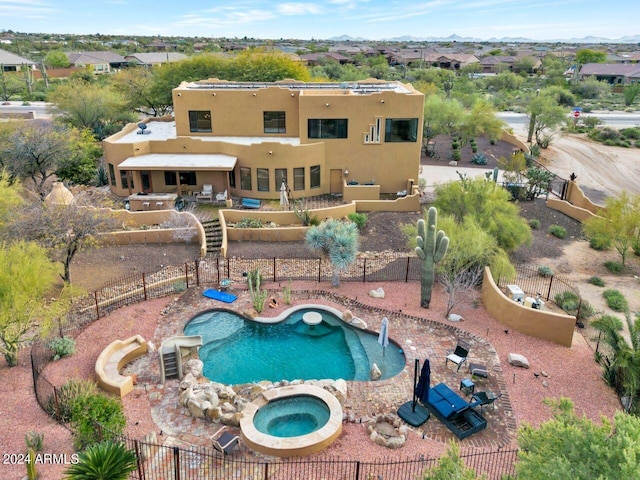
[406,275]
[136,446]
[357,470]
[228,269]
[197,268]
[364,270]
[144,286]
[176,463]
[266,471]
[95,295]
[186,273]
[274,269]
[319,268]
[549,290]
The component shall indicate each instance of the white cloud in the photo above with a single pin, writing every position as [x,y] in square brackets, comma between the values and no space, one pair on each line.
[298,9]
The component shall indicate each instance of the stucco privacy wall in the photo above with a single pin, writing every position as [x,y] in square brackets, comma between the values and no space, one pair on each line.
[555,327]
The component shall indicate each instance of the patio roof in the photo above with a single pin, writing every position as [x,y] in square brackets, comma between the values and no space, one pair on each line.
[179,161]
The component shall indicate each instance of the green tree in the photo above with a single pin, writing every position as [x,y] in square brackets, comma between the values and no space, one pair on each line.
[441,117]
[618,221]
[545,115]
[89,410]
[103,461]
[63,230]
[90,106]
[338,242]
[586,55]
[56,59]
[80,168]
[630,93]
[568,446]
[10,84]
[489,204]
[622,370]
[11,199]
[481,121]
[26,277]
[451,467]
[136,87]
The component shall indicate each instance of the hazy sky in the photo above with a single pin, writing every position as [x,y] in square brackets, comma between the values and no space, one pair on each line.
[372,19]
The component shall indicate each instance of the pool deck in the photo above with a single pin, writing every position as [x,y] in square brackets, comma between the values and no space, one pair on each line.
[418,337]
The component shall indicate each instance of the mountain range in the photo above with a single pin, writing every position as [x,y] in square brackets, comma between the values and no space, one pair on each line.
[458,38]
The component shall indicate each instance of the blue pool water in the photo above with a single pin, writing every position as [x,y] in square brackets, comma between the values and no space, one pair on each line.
[236,350]
[292,416]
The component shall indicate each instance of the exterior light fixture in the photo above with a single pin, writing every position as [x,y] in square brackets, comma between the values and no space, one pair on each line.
[346,172]
[327,105]
[270,152]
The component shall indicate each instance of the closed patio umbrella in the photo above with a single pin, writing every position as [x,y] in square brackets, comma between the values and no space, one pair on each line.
[424,381]
[383,337]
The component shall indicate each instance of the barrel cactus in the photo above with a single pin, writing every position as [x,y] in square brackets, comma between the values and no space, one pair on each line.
[431,248]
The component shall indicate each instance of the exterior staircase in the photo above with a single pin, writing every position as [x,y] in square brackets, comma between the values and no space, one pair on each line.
[170,363]
[213,233]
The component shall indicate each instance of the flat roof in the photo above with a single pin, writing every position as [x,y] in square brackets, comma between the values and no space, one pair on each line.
[167,130]
[179,161]
[356,88]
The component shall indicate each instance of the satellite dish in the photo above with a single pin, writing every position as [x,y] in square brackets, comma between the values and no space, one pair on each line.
[142,127]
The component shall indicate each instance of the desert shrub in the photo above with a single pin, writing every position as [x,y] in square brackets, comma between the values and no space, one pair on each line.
[455,145]
[545,271]
[558,231]
[586,311]
[247,222]
[597,281]
[633,133]
[67,393]
[456,154]
[636,247]
[62,347]
[34,440]
[535,223]
[88,410]
[591,122]
[615,299]
[360,219]
[567,301]
[180,286]
[599,241]
[479,159]
[614,267]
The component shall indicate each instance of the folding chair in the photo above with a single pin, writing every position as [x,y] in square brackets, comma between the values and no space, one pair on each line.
[224,442]
[459,355]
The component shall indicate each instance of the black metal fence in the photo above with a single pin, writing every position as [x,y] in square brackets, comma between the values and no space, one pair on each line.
[161,462]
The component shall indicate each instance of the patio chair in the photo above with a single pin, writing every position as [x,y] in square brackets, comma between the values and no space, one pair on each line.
[480,399]
[224,442]
[221,197]
[459,355]
[206,193]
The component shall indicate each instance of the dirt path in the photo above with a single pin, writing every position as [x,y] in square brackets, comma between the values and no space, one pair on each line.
[601,170]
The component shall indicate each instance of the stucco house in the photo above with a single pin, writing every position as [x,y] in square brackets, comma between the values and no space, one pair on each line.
[613,73]
[11,62]
[98,62]
[154,58]
[247,138]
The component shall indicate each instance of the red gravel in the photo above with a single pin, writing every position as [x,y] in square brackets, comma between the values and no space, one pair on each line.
[572,373]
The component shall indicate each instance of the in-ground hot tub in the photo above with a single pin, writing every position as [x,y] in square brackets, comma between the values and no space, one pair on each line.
[295,420]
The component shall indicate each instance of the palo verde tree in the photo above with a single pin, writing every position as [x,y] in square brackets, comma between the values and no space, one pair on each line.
[26,277]
[431,247]
[568,446]
[338,242]
[545,115]
[618,222]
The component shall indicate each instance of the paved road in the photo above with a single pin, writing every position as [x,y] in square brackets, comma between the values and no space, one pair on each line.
[40,109]
[520,121]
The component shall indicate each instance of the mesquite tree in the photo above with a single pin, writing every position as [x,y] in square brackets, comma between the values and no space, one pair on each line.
[431,248]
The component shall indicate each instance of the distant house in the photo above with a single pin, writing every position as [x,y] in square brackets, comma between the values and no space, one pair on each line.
[451,61]
[500,63]
[319,58]
[612,73]
[11,62]
[98,62]
[154,58]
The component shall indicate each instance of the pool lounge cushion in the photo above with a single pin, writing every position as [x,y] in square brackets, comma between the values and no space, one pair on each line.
[454,411]
[447,402]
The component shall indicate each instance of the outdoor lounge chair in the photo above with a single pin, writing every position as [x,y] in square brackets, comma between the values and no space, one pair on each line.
[206,193]
[480,399]
[224,442]
[221,197]
[459,355]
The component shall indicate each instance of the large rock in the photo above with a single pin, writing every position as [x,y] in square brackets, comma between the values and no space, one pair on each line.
[347,316]
[454,317]
[193,366]
[375,372]
[358,323]
[188,381]
[377,293]
[518,360]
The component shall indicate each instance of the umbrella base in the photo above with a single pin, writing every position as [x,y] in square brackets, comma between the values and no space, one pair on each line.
[414,416]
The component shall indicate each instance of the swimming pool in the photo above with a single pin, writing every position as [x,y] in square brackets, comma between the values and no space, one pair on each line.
[236,350]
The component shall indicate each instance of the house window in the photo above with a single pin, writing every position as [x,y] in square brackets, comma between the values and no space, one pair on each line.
[281,175]
[232,178]
[200,120]
[274,122]
[263,179]
[124,179]
[401,130]
[112,174]
[314,176]
[298,178]
[245,178]
[327,127]
[186,178]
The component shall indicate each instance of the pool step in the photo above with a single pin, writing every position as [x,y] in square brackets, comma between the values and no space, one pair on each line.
[170,364]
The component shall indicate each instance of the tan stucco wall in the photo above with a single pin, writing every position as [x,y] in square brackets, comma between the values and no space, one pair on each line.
[576,196]
[570,210]
[555,327]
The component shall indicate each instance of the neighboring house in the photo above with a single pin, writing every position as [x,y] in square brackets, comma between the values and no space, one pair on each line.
[613,73]
[11,62]
[154,58]
[312,59]
[98,62]
[451,61]
[247,138]
[501,63]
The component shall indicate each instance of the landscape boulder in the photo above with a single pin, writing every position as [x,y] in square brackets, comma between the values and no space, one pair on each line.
[377,293]
[518,360]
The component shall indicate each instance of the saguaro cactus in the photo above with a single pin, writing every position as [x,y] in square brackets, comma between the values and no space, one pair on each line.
[431,248]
